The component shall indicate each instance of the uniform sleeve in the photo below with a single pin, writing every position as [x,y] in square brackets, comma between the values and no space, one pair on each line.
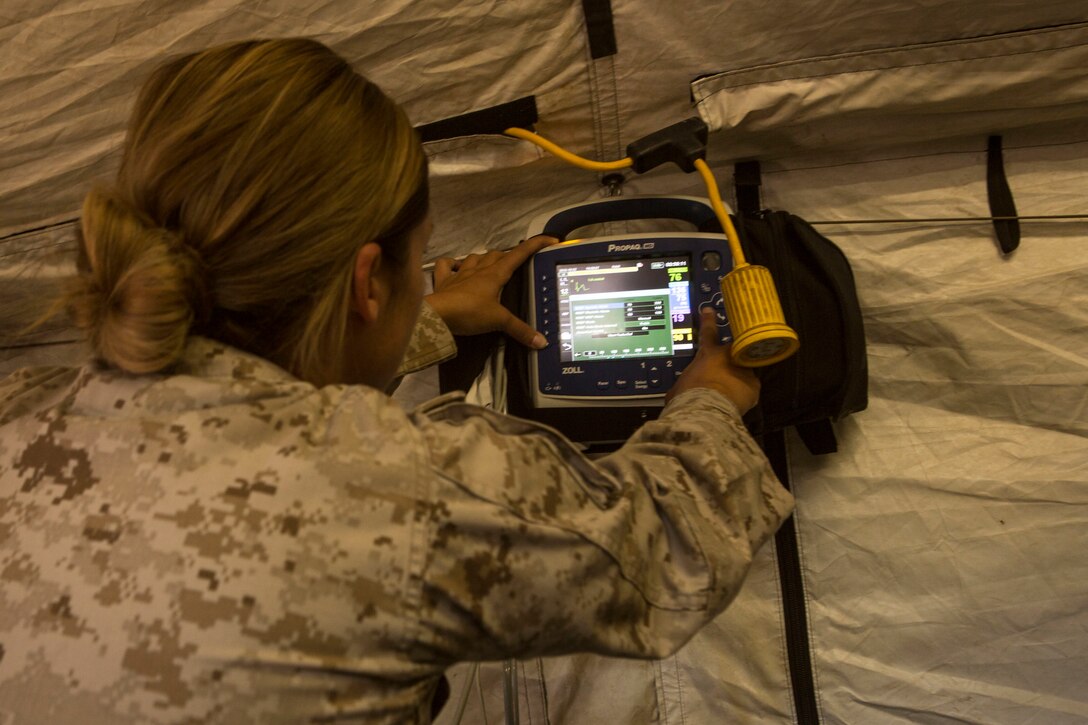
[431,343]
[536,550]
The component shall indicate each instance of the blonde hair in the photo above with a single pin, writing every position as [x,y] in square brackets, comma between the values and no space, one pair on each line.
[252,173]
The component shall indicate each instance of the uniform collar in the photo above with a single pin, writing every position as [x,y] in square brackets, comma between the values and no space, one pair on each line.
[207,358]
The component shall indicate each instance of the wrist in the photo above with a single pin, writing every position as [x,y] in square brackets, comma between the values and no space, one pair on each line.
[437,303]
[703,396]
[742,399]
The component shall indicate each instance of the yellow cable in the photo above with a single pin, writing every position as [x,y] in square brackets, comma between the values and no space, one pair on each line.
[719,209]
[567,155]
[700,166]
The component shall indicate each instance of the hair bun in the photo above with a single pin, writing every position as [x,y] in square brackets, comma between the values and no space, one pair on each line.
[137,288]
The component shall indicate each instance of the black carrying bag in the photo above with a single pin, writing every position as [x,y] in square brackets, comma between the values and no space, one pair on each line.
[828,377]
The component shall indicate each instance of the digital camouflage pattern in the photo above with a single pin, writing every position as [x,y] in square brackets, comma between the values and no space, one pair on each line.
[229,544]
[431,342]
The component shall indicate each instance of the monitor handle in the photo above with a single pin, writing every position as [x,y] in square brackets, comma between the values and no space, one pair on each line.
[561,222]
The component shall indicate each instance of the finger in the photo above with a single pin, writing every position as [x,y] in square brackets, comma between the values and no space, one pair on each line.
[443,268]
[469,262]
[492,257]
[708,329]
[523,332]
[519,254]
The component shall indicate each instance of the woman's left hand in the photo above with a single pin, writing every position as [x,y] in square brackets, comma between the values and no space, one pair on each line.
[466,292]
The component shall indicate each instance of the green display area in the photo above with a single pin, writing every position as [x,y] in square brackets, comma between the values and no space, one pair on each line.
[612,325]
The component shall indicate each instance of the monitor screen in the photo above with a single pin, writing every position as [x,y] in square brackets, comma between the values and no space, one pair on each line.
[627,308]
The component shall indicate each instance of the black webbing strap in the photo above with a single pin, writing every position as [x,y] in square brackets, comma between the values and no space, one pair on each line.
[599,27]
[1000,196]
[746,181]
[794,611]
[520,113]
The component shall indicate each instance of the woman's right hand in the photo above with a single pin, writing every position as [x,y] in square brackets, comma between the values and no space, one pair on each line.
[713,368]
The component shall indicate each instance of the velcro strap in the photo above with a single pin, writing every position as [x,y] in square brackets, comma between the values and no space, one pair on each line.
[520,114]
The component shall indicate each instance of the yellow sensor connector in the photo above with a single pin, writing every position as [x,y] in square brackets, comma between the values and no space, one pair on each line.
[760,333]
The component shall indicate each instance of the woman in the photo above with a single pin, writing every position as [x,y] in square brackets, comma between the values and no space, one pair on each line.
[222,518]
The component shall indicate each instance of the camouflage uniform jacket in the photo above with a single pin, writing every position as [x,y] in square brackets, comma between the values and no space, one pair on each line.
[229,544]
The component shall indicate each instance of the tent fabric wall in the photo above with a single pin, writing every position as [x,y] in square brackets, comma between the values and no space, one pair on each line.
[943,545]
[869,99]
